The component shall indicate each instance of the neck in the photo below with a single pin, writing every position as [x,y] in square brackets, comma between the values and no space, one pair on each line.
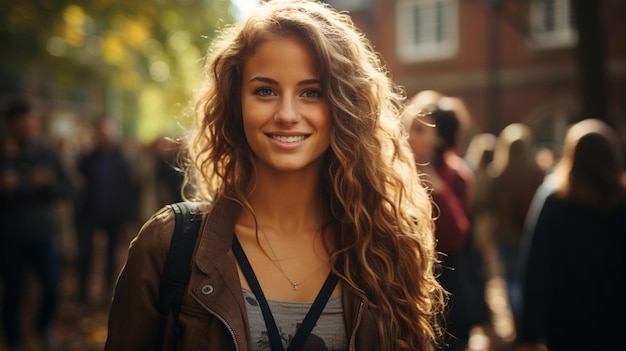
[288,203]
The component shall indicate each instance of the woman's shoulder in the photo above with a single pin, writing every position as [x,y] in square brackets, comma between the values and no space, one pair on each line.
[156,232]
[163,217]
[556,201]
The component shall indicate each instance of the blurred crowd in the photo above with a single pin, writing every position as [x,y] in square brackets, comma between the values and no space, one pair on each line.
[68,211]
[531,240]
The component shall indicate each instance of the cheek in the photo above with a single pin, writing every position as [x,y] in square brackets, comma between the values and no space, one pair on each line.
[435,141]
[417,137]
[250,130]
[429,137]
[327,127]
[250,124]
[422,141]
[246,110]
[253,115]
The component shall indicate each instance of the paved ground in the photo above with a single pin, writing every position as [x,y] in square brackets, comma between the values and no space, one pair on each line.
[76,328]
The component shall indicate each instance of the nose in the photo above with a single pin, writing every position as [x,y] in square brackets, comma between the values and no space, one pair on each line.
[287,112]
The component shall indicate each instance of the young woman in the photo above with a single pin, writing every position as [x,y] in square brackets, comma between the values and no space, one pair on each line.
[434,123]
[298,151]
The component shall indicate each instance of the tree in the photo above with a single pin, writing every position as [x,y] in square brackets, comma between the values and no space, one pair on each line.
[145,55]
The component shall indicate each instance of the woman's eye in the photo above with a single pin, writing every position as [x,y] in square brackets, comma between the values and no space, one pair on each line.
[263,91]
[312,93]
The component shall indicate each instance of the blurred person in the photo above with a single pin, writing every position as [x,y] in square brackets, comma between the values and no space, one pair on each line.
[33,178]
[575,261]
[480,153]
[478,157]
[435,124]
[546,157]
[139,155]
[68,149]
[168,173]
[514,178]
[451,119]
[163,176]
[297,148]
[108,201]
[425,141]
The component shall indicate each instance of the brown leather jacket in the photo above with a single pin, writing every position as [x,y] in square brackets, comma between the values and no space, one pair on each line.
[213,315]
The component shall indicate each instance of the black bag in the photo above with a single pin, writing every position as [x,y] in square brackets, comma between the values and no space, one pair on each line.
[177,269]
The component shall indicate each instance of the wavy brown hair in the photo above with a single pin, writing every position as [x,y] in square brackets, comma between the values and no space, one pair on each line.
[381,214]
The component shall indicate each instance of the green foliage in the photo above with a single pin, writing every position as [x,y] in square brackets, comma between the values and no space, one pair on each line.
[148,52]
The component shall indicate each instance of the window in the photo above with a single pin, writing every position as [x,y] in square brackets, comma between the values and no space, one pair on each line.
[552,23]
[426,30]
[351,5]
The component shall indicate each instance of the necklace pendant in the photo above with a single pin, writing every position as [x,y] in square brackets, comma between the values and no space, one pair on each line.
[295,287]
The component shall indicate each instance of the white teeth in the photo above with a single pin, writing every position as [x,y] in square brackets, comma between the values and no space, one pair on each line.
[288,139]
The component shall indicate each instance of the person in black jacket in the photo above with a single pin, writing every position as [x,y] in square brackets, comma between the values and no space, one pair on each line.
[573,259]
[107,202]
[32,179]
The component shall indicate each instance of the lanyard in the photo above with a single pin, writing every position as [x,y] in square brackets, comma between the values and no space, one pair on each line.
[303,332]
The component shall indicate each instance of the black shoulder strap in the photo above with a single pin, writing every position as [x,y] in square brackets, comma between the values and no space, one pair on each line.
[177,265]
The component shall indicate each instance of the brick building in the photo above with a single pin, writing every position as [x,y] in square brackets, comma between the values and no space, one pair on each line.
[509,60]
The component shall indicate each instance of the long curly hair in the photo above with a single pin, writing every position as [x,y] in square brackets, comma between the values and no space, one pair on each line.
[382,216]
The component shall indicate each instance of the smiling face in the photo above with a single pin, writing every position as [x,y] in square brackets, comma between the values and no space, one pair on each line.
[285,116]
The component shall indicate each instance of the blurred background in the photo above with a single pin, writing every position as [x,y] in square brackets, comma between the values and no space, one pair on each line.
[136,61]
[542,63]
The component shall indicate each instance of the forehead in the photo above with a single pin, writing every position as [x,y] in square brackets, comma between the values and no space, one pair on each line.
[284,52]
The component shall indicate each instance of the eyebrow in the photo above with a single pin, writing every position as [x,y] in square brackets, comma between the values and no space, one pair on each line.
[272,81]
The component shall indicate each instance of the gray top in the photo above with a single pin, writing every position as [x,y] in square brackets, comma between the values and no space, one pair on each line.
[329,333]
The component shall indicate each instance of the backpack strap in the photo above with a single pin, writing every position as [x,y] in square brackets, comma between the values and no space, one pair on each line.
[177,267]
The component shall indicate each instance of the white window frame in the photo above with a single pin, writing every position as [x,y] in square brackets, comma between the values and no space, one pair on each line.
[562,35]
[407,48]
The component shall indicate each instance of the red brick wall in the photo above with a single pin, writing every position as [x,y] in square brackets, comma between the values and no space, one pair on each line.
[533,82]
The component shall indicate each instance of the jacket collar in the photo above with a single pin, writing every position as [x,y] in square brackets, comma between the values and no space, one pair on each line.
[216,233]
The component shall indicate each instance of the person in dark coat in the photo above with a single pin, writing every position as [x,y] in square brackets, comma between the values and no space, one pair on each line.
[574,260]
[33,178]
[108,202]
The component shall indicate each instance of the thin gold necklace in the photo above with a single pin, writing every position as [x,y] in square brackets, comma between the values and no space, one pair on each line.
[294,286]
